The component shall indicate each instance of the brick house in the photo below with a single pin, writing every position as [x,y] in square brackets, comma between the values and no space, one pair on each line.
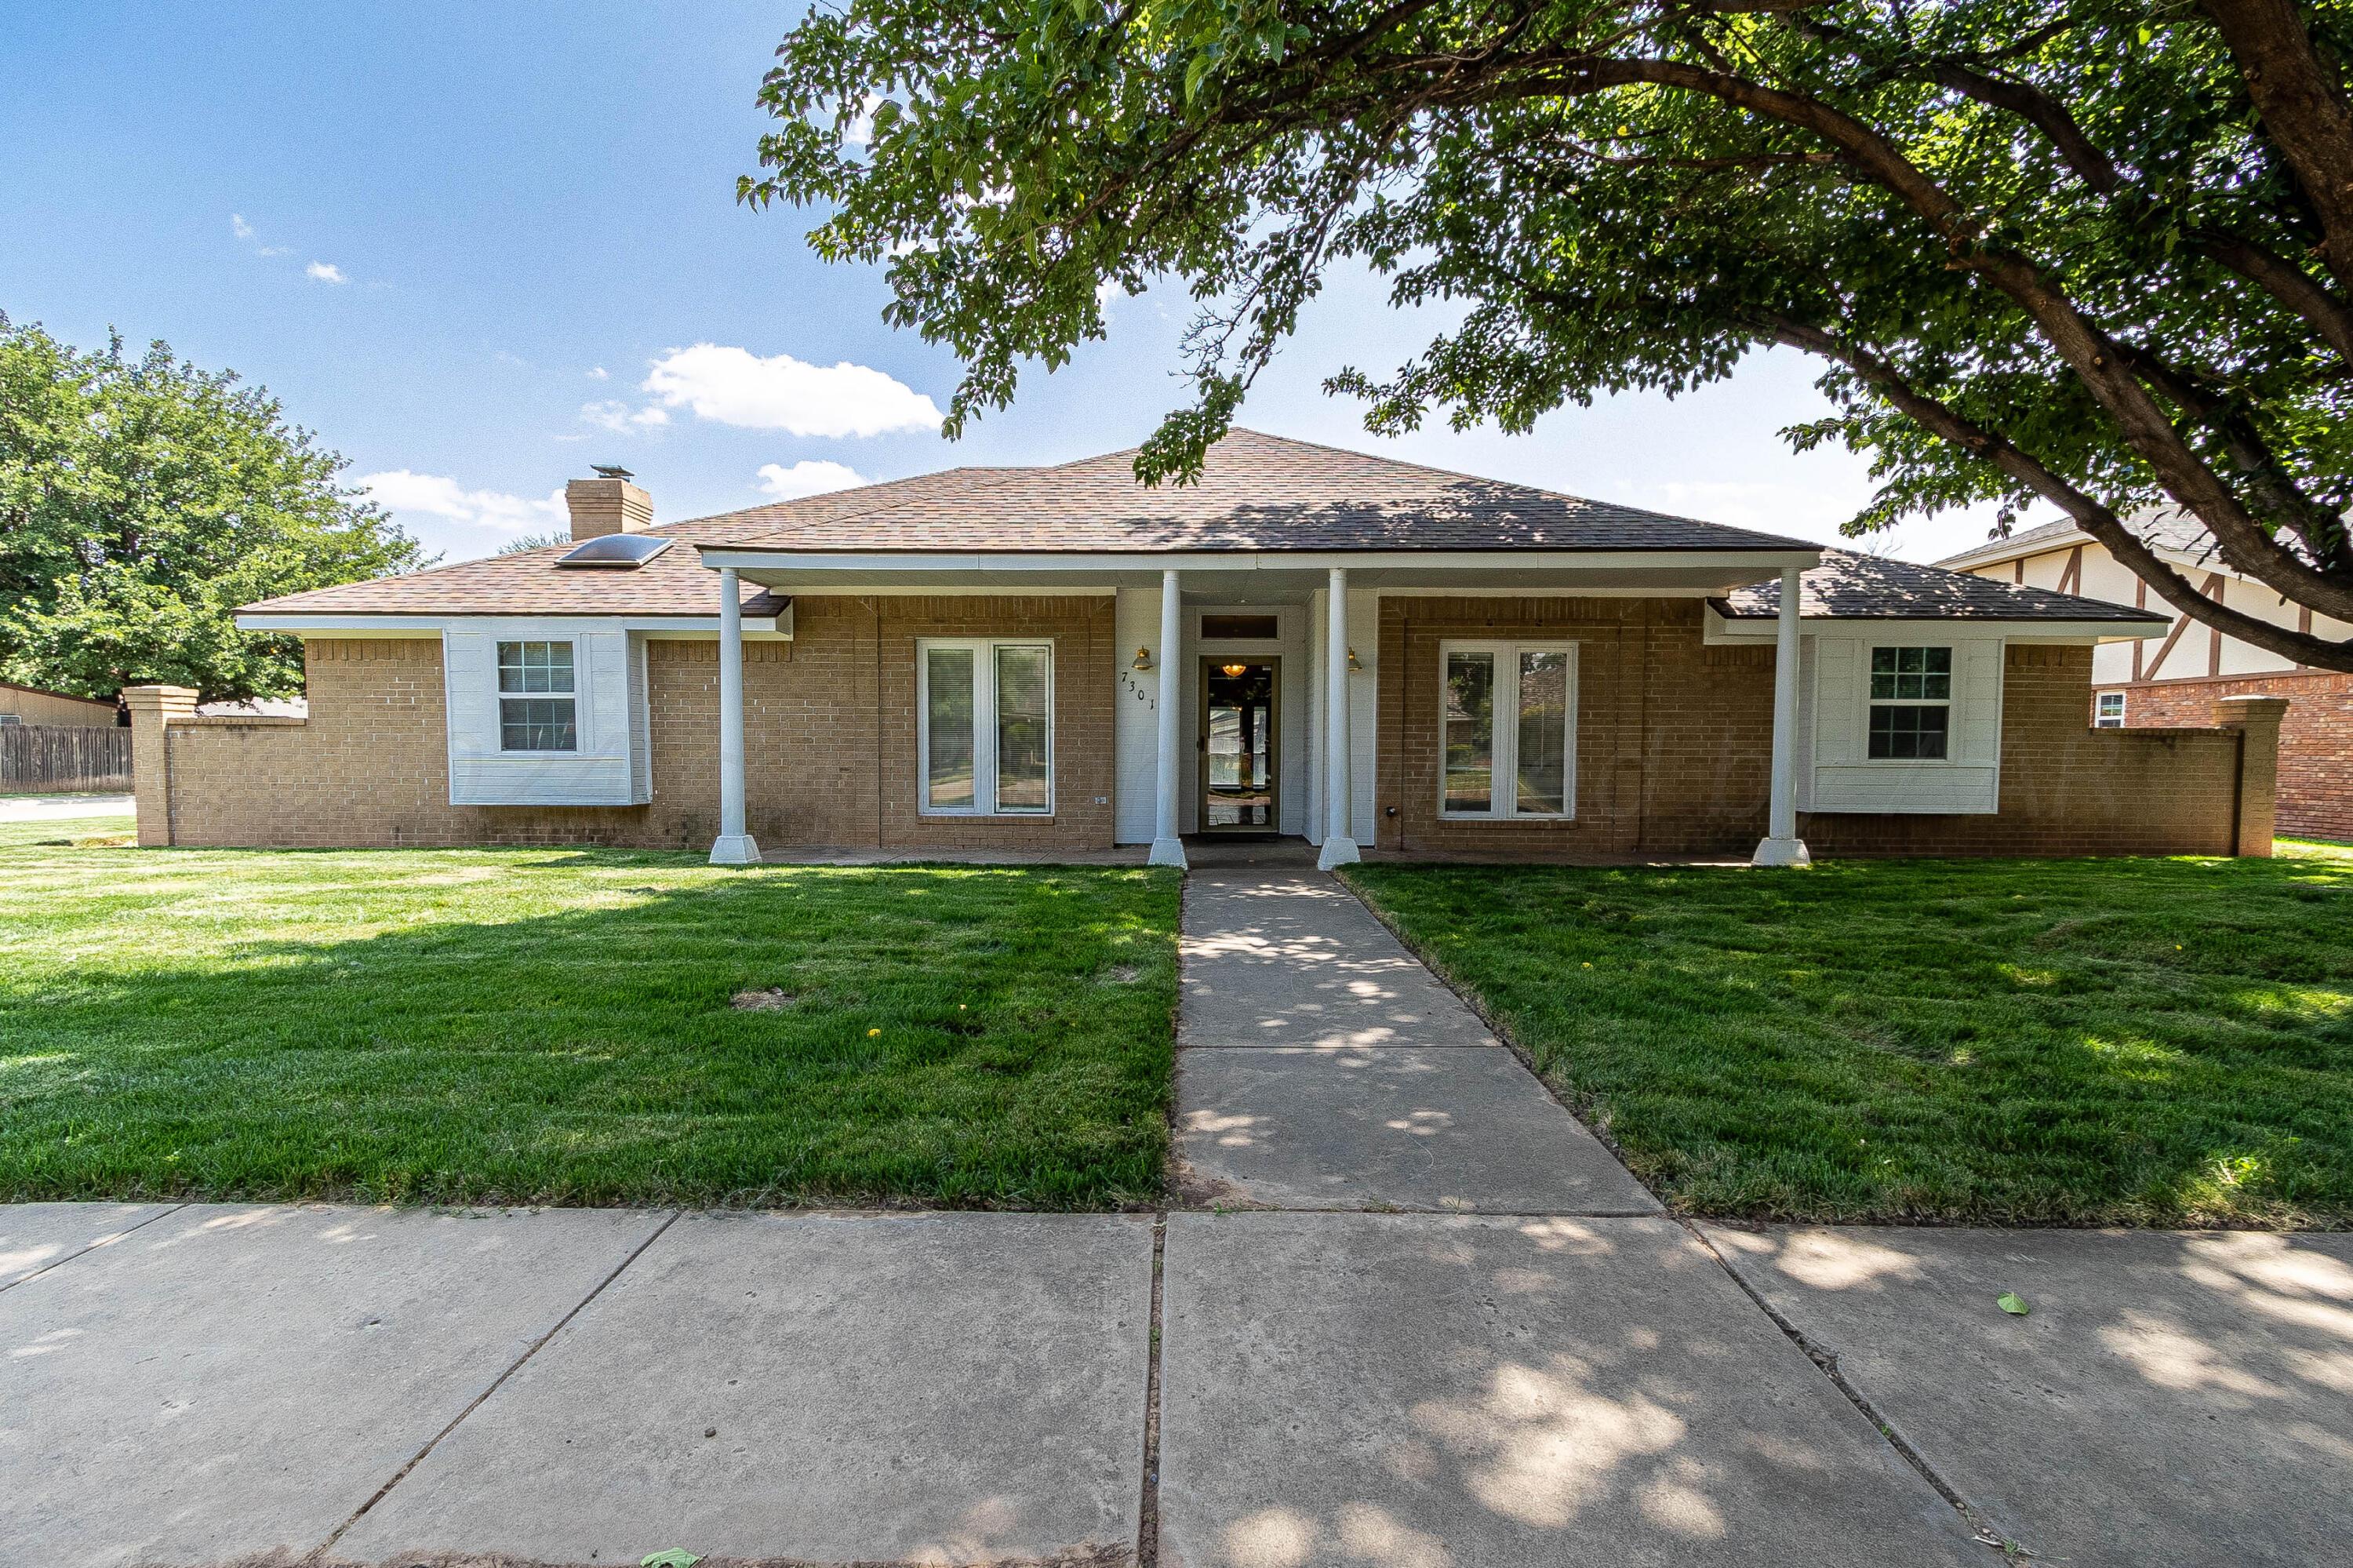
[1368,654]
[2175,676]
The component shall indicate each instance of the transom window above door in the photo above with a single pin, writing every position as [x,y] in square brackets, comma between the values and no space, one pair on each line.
[1508,723]
[984,714]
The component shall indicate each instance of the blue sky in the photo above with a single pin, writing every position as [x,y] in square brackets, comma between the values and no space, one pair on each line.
[478,247]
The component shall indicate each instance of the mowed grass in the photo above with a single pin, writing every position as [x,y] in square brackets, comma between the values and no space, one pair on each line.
[2151,1042]
[557,1026]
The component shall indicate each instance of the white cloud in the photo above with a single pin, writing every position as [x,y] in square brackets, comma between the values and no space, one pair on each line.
[616,416]
[735,387]
[246,232]
[326,273]
[400,491]
[595,373]
[808,477]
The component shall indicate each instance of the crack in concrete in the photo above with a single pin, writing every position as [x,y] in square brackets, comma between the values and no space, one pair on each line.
[317,1557]
[100,1242]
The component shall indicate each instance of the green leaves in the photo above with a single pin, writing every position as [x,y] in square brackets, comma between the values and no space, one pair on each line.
[141,501]
[2012,1303]
[676,1557]
[1606,196]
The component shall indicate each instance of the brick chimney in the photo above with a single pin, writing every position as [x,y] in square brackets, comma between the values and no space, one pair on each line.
[608,503]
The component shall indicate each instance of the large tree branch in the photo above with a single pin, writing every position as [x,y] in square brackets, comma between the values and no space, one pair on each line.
[2040,109]
[2285,282]
[2302,105]
[2246,543]
[2321,529]
[2095,519]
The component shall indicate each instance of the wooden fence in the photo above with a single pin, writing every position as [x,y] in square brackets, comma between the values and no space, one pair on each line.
[38,758]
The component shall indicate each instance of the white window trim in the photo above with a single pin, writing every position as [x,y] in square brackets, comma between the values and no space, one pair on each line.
[2100,719]
[501,696]
[1504,803]
[983,726]
[1947,702]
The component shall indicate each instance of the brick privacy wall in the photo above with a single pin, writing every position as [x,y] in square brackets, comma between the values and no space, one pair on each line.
[1675,750]
[2316,755]
[825,717]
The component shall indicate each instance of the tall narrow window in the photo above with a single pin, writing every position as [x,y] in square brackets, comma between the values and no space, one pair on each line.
[1021,725]
[1470,731]
[1509,724]
[536,711]
[986,741]
[949,751]
[1911,703]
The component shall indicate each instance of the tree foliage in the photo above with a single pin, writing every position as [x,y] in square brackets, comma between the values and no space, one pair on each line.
[141,501]
[2089,253]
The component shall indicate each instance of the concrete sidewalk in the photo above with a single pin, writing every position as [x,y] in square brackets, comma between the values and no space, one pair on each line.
[1437,1326]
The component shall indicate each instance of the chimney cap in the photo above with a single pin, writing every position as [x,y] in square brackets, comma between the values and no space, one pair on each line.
[611,471]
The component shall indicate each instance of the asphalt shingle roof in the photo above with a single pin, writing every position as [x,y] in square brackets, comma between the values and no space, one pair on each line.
[1847,586]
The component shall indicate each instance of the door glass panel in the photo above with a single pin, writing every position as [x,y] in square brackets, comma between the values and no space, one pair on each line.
[1542,764]
[1470,723]
[1241,745]
[1022,726]
[948,760]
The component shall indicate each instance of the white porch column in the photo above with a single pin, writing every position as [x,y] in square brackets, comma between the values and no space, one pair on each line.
[1339,848]
[1782,846]
[733,847]
[1167,848]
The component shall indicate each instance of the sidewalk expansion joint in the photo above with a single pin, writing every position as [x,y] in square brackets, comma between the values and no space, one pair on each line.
[319,1553]
[1147,1530]
[94,1247]
[1826,1362]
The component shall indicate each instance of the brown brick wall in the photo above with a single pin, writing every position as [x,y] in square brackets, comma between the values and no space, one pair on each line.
[2316,755]
[1674,747]
[370,765]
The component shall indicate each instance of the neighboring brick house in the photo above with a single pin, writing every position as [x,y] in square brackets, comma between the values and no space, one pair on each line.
[2175,676]
[1309,641]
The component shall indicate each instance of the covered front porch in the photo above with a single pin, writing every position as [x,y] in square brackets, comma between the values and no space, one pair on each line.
[1256,695]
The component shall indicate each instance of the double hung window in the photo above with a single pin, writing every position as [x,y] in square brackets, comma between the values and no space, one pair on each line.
[1911,703]
[536,702]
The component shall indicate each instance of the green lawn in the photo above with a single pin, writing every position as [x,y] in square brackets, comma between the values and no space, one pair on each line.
[2153,1042]
[559,1025]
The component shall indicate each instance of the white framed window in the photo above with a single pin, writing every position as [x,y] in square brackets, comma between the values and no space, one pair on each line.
[1911,704]
[985,726]
[537,703]
[1507,719]
[2110,712]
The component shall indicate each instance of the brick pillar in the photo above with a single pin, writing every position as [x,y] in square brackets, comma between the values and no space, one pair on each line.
[151,708]
[2257,720]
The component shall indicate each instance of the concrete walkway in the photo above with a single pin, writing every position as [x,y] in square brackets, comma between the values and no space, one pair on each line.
[1428,1323]
[1321,1066]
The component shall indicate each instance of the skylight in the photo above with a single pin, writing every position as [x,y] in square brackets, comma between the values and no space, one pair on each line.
[620,551]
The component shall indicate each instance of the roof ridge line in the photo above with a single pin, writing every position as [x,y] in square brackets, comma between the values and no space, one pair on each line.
[1004,474]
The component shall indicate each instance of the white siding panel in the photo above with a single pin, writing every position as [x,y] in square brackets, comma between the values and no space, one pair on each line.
[603,772]
[1136,732]
[1844,778]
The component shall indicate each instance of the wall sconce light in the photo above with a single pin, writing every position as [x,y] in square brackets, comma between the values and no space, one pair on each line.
[1356,665]
[1143,660]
